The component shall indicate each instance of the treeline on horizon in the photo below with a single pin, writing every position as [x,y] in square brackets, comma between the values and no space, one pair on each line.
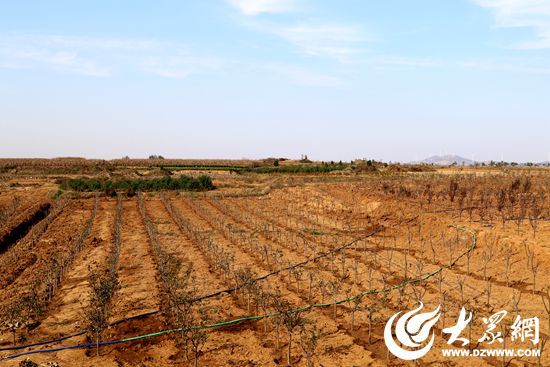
[297,168]
[318,168]
[200,183]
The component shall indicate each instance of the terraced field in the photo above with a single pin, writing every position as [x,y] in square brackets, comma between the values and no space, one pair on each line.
[301,274]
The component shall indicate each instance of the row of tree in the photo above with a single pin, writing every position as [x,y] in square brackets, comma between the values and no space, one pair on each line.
[189,183]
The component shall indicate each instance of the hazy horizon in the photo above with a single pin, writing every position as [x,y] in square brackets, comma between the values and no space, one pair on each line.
[391,81]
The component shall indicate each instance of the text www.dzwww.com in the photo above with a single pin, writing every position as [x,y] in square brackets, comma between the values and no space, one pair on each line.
[490,352]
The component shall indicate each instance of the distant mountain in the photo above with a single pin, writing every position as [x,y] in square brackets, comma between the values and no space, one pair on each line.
[447,160]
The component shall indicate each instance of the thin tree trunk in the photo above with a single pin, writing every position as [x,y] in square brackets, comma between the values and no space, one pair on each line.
[289,346]
[97,342]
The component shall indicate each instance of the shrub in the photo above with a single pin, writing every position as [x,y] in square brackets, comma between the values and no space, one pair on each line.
[28,363]
[200,183]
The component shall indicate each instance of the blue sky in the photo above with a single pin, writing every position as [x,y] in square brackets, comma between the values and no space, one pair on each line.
[392,80]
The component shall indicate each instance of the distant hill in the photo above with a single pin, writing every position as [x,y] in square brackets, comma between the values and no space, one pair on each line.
[446,160]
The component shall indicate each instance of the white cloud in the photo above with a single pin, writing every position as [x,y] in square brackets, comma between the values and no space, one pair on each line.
[521,65]
[304,77]
[101,56]
[166,71]
[70,61]
[256,7]
[86,43]
[404,61]
[337,42]
[342,43]
[508,66]
[534,14]
[179,66]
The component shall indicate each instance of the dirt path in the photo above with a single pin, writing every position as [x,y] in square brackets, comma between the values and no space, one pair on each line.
[287,222]
[71,300]
[138,291]
[66,313]
[350,352]
[234,346]
[58,237]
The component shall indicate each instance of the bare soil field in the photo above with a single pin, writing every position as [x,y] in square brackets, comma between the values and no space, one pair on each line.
[269,269]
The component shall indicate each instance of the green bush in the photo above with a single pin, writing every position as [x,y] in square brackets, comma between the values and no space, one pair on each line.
[200,183]
[57,194]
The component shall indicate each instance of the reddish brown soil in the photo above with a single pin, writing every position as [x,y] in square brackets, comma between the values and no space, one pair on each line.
[294,223]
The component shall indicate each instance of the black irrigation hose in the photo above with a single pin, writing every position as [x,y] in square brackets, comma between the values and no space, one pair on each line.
[258,317]
[214,294]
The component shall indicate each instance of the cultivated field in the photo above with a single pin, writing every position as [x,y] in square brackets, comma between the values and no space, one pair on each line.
[268,269]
